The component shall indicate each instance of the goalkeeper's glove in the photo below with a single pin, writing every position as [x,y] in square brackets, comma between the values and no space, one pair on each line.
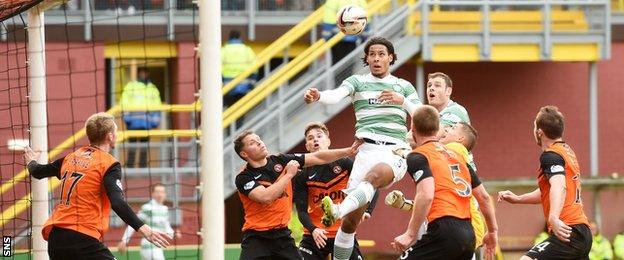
[396,199]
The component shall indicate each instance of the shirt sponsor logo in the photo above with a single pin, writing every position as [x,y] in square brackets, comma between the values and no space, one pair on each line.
[374,101]
[249,185]
[556,168]
[336,196]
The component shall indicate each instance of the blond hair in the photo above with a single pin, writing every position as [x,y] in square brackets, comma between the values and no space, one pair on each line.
[98,126]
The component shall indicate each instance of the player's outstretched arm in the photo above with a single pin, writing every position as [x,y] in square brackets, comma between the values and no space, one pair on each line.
[41,171]
[422,203]
[332,96]
[485,204]
[276,190]
[533,197]
[327,156]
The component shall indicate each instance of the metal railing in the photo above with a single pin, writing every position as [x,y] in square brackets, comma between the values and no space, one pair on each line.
[488,29]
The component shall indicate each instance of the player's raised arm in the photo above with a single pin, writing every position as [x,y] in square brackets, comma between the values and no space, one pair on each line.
[533,197]
[331,96]
[327,156]
[41,171]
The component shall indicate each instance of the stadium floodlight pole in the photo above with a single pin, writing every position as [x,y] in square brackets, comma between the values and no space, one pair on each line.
[212,179]
[38,125]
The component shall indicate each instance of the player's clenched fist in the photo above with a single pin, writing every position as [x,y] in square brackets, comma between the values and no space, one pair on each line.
[292,167]
[508,196]
[312,95]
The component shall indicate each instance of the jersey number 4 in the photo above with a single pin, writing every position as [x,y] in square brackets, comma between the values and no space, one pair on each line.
[76,176]
[466,190]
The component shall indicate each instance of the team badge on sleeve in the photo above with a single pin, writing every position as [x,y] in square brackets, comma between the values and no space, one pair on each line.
[556,168]
[337,169]
[249,185]
[278,168]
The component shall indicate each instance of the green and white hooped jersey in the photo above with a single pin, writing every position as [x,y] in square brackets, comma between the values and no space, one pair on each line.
[155,215]
[454,113]
[374,120]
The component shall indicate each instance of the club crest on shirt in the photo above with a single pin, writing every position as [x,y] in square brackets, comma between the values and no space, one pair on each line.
[396,88]
[278,168]
[337,169]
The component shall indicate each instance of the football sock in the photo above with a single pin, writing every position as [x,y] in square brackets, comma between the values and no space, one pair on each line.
[343,245]
[357,198]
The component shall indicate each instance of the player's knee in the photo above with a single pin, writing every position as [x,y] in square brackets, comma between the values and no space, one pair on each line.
[380,175]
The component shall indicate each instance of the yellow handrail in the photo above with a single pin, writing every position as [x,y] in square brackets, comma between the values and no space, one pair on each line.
[280,79]
[261,91]
[277,46]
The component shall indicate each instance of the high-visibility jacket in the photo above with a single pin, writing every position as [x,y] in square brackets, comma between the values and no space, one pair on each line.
[601,248]
[236,57]
[618,246]
[137,94]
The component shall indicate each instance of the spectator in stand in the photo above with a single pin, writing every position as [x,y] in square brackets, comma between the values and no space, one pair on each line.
[236,57]
[601,247]
[140,94]
[618,246]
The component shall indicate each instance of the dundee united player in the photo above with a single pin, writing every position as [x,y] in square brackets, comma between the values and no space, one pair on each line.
[460,138]
[381,102]
[444,185]
[310,186]
[559,192]
[265,189]
[91,186]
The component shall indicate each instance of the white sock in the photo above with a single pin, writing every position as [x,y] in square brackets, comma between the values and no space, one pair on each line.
[343,245]
[357,198]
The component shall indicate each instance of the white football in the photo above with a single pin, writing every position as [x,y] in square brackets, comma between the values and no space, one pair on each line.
[351,20]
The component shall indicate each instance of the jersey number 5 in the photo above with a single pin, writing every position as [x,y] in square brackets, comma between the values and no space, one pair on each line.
[466,190]
[77,176]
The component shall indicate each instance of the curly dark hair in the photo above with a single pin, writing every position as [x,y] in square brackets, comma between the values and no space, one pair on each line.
[383,41]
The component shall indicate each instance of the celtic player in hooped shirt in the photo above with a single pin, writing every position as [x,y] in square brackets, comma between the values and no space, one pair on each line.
[381,102]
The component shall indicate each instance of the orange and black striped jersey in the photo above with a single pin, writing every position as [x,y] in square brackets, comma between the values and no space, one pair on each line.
[559,158]
[84,204]
[314,183]
[276,215]
[453,179]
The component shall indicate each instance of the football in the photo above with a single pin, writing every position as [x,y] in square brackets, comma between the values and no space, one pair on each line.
[351,20]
